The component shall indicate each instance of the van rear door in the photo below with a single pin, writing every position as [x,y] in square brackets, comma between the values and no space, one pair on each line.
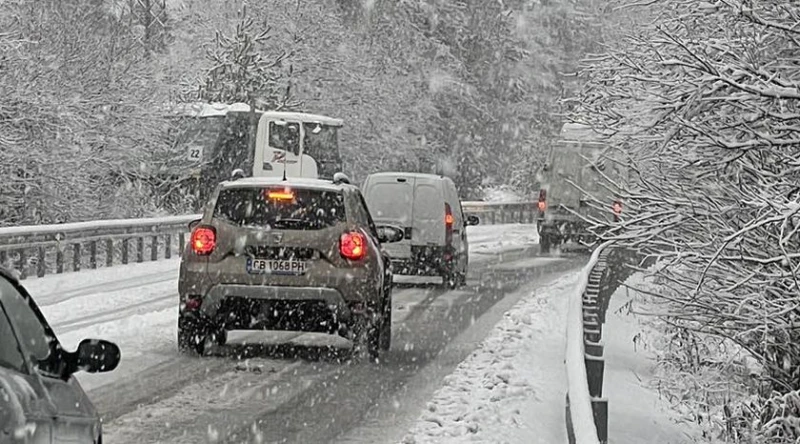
[390,200]
[428,213]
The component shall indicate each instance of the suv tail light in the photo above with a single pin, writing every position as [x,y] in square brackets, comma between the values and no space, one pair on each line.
[617,207]
[542,200]
[204,240]
[449,220]
[352,245]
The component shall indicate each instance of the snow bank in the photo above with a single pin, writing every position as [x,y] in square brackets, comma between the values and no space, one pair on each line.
[579,397]
[511,388]
[639,400]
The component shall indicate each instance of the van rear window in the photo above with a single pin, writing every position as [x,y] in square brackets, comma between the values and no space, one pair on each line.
[391,201]
[301,209]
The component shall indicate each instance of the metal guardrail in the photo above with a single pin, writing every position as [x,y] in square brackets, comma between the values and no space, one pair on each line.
[47,249]
[493,213]
[587,409]
[74,247]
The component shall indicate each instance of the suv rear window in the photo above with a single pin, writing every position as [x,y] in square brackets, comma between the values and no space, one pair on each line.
[309,209]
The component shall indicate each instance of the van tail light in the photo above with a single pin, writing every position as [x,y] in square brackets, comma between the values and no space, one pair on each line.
[542,200]
[449,220]
[204,240]
[352,245]
[617,207]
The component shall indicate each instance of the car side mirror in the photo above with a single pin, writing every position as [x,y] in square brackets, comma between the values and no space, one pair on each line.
[388,234]
[97,356]
[473,220]
[194,223]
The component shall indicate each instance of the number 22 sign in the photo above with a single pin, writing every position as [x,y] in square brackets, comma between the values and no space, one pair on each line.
[195,153]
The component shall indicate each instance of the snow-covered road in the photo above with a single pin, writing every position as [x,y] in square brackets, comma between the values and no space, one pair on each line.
[299,387]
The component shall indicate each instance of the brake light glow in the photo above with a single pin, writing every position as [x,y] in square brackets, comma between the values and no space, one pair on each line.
[285,194]
[542,200]
[352,245]
[204,240]
[192,303]
[449,220]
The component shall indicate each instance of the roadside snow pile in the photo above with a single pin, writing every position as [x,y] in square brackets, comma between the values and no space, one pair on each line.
[511,388]
[689,378]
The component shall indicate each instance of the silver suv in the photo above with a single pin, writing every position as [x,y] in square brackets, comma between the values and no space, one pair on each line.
[297,254]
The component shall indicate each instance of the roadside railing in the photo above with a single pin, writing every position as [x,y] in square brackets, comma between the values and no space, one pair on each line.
[492,213]
[587,409]
[45,249]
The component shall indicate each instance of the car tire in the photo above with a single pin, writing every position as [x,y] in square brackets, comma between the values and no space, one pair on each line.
[191,340]
[385,330]
[449,278]
[220,337]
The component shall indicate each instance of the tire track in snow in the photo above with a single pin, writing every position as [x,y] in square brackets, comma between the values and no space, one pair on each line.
[54,298]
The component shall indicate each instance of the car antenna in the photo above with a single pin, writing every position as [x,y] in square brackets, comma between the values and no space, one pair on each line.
[285,161]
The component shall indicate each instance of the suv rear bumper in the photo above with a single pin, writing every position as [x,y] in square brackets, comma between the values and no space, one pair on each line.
[218,293]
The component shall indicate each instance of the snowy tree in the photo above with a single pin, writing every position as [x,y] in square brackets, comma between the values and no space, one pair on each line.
[703,98]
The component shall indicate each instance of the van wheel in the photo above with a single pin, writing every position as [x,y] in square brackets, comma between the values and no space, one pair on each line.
[450,280]
[544,244]
[191,340]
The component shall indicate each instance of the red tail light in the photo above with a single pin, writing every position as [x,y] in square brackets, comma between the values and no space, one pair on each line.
[617,207]
[449,220]
[353,245]
[204,240]
[542,200]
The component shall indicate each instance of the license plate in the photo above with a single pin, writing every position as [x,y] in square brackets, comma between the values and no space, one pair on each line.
[271,266]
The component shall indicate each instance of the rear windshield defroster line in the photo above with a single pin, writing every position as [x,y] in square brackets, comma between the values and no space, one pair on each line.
[309,210]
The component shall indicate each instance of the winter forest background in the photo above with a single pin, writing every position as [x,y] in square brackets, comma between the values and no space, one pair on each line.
[468,88]
[700,97]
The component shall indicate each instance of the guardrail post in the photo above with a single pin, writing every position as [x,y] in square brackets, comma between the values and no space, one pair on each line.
[154,249]
[600,413]
[181,242]
[595,366]
[109,252]
[593,325]
[593,348]
[125,247]
[59,259]
[167,246]
[140,249]
[23,264]
[41,265]
[93,255]
[570,426]
[76,257]
[591,335]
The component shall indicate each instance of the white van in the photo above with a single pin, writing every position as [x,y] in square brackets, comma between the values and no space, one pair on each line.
[428,209]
